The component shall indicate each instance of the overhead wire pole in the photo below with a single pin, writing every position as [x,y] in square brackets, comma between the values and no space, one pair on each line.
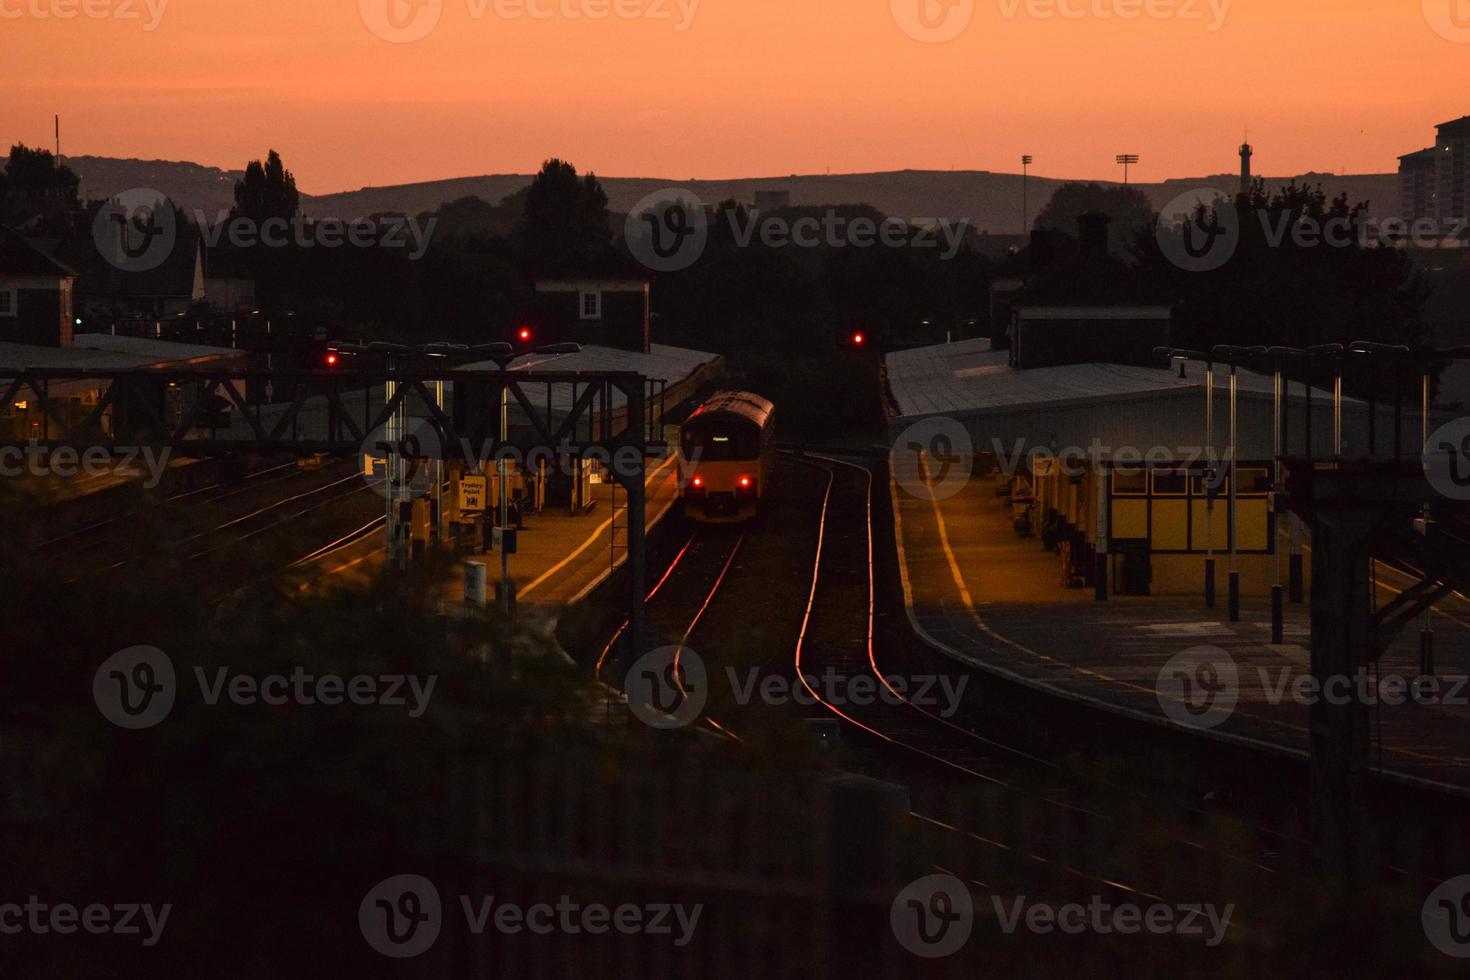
[502,354]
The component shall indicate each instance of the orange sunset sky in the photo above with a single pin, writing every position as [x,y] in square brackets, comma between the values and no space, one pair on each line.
[747,88]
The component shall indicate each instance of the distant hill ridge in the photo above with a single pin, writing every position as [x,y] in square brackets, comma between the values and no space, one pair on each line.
[990,201]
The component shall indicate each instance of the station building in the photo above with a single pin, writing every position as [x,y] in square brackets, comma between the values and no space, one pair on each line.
[1113,459]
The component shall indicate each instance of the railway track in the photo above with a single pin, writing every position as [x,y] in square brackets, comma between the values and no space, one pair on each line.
[676,605]
[901,739]
[276,500]
[843,593]
[94,536]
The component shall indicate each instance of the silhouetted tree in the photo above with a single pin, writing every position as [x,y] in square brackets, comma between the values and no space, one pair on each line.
[268,190]
[1282,286]
[565,224]
[1128,207]
[35,175]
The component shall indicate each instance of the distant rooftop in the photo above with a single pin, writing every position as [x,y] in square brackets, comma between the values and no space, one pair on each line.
[19,257]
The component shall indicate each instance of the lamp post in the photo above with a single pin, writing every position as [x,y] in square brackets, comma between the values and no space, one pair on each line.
[1234,355]
[1280,433]
[503,354]
[395,431]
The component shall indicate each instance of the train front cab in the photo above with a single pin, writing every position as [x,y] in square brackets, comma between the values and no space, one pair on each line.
[726,460]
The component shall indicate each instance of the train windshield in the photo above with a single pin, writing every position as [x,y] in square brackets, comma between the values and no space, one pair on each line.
[720,439]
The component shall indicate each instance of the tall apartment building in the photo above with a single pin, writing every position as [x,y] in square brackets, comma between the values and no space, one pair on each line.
[1451,170]
[1432,182]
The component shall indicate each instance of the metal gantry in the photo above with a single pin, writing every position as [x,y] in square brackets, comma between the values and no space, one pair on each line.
[1361,507]
[346,412]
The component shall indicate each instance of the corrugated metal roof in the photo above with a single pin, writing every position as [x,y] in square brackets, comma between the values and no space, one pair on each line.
[743,404]
[104,352]
[970,378]
[1033,312]
[662,363]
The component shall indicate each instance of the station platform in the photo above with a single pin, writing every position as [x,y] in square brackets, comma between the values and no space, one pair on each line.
[978,592]
[560,558]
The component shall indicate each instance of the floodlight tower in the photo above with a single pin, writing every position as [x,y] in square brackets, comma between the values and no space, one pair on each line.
[1025,210]
[1126,159]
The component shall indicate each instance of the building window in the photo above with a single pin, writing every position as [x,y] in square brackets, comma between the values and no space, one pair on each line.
[9,301]
[591,305]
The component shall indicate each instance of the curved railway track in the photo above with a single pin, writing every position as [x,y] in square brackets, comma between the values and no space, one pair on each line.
[843,593]
[706,560]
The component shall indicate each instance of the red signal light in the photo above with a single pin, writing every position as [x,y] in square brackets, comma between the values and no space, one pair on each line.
[745,481]
[331,358]
[525,335]
[858,339]
[698,481]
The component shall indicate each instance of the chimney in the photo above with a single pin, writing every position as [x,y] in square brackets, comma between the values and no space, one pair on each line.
[1092,227]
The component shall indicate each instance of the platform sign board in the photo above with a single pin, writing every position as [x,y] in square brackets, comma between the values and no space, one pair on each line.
[473,492]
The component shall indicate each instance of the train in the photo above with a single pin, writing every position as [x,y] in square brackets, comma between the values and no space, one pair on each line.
[725,453]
